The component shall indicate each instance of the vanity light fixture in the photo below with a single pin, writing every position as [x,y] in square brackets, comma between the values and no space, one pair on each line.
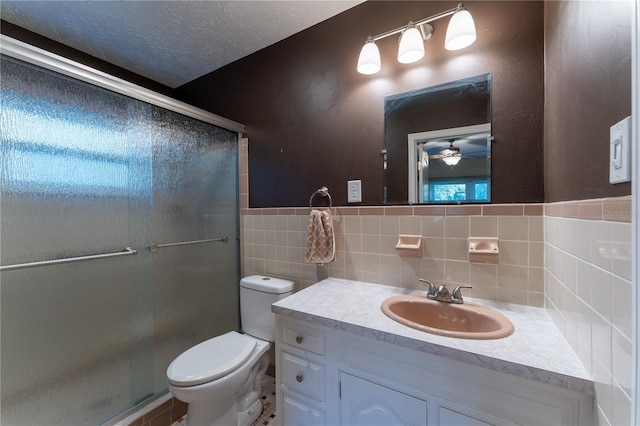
[461,33]
[369,61]
[411,47]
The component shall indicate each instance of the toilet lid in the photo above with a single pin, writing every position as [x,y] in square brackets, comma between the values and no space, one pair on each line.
[211,359]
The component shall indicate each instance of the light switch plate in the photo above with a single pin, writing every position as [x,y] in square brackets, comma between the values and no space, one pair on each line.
[620,151]
[354,191]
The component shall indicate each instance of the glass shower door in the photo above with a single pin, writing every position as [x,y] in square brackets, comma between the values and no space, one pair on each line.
[73,183]
[85,171]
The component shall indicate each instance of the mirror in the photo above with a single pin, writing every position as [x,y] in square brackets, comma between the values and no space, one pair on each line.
[446,108]
[450,165]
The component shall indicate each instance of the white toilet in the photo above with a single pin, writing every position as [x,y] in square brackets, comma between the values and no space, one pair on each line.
[220,378]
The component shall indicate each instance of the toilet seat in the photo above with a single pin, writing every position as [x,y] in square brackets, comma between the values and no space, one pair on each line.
[211,359]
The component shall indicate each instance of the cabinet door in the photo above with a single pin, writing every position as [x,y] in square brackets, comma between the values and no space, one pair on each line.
[297,412]
[366,403]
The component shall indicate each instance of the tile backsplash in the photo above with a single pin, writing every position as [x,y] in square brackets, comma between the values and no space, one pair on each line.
[274,241]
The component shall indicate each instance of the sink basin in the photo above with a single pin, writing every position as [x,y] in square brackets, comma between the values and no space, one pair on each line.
[465,321]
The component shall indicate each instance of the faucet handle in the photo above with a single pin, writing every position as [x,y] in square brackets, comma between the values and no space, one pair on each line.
[431,291]
[456,294]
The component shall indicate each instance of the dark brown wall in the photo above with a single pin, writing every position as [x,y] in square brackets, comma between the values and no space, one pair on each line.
[588,89]
[34,39]
[312,120]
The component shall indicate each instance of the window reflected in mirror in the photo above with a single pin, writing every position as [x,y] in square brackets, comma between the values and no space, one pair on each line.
[450,165]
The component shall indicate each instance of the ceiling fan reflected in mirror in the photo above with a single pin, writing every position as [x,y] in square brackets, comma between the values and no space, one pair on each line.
[450,155]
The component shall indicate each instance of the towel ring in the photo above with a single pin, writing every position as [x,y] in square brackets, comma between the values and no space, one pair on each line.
[322,191]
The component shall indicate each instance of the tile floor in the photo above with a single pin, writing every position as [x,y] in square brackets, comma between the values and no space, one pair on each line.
[268,404]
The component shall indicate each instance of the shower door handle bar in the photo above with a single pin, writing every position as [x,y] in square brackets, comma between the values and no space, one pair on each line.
[154,247]
[126,252]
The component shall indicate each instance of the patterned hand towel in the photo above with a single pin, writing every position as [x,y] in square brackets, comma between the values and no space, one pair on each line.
[320,239]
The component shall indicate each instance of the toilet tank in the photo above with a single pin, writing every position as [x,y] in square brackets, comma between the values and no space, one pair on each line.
[257,293]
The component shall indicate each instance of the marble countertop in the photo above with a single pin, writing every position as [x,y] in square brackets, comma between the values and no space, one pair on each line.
[535,351]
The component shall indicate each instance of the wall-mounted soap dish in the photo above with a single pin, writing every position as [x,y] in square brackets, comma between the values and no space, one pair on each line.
[409,246]
[484,250]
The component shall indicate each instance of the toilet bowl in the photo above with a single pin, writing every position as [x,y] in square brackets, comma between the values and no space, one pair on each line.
[220,378]
[221,392]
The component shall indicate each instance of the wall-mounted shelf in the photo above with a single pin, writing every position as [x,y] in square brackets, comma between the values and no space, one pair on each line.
[484,250]
[409,246]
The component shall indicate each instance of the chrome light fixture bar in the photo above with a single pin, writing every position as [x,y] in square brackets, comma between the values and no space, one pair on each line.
[461,33]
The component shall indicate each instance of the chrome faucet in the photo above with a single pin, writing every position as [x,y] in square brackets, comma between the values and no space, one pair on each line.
[442,294]
[432,292]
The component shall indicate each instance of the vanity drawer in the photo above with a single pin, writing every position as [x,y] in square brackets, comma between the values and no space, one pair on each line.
[303,337]
[301,375]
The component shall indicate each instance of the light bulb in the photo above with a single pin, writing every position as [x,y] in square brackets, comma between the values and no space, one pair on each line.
[369,59]
[411,46]
[461,31]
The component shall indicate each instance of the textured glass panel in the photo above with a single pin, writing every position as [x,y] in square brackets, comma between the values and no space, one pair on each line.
[64,166]
[75,176]
[195,198]
[86,171]
[65,343]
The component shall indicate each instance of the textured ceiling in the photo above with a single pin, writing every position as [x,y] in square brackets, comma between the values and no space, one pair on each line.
[171,42]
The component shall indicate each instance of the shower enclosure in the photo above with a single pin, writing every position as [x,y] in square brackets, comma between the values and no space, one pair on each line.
[87,172]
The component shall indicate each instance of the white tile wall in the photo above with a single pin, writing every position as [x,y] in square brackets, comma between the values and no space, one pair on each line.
[588,293]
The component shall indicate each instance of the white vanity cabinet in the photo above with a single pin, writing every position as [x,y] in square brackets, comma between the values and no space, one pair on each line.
[327,376]
[302,375]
